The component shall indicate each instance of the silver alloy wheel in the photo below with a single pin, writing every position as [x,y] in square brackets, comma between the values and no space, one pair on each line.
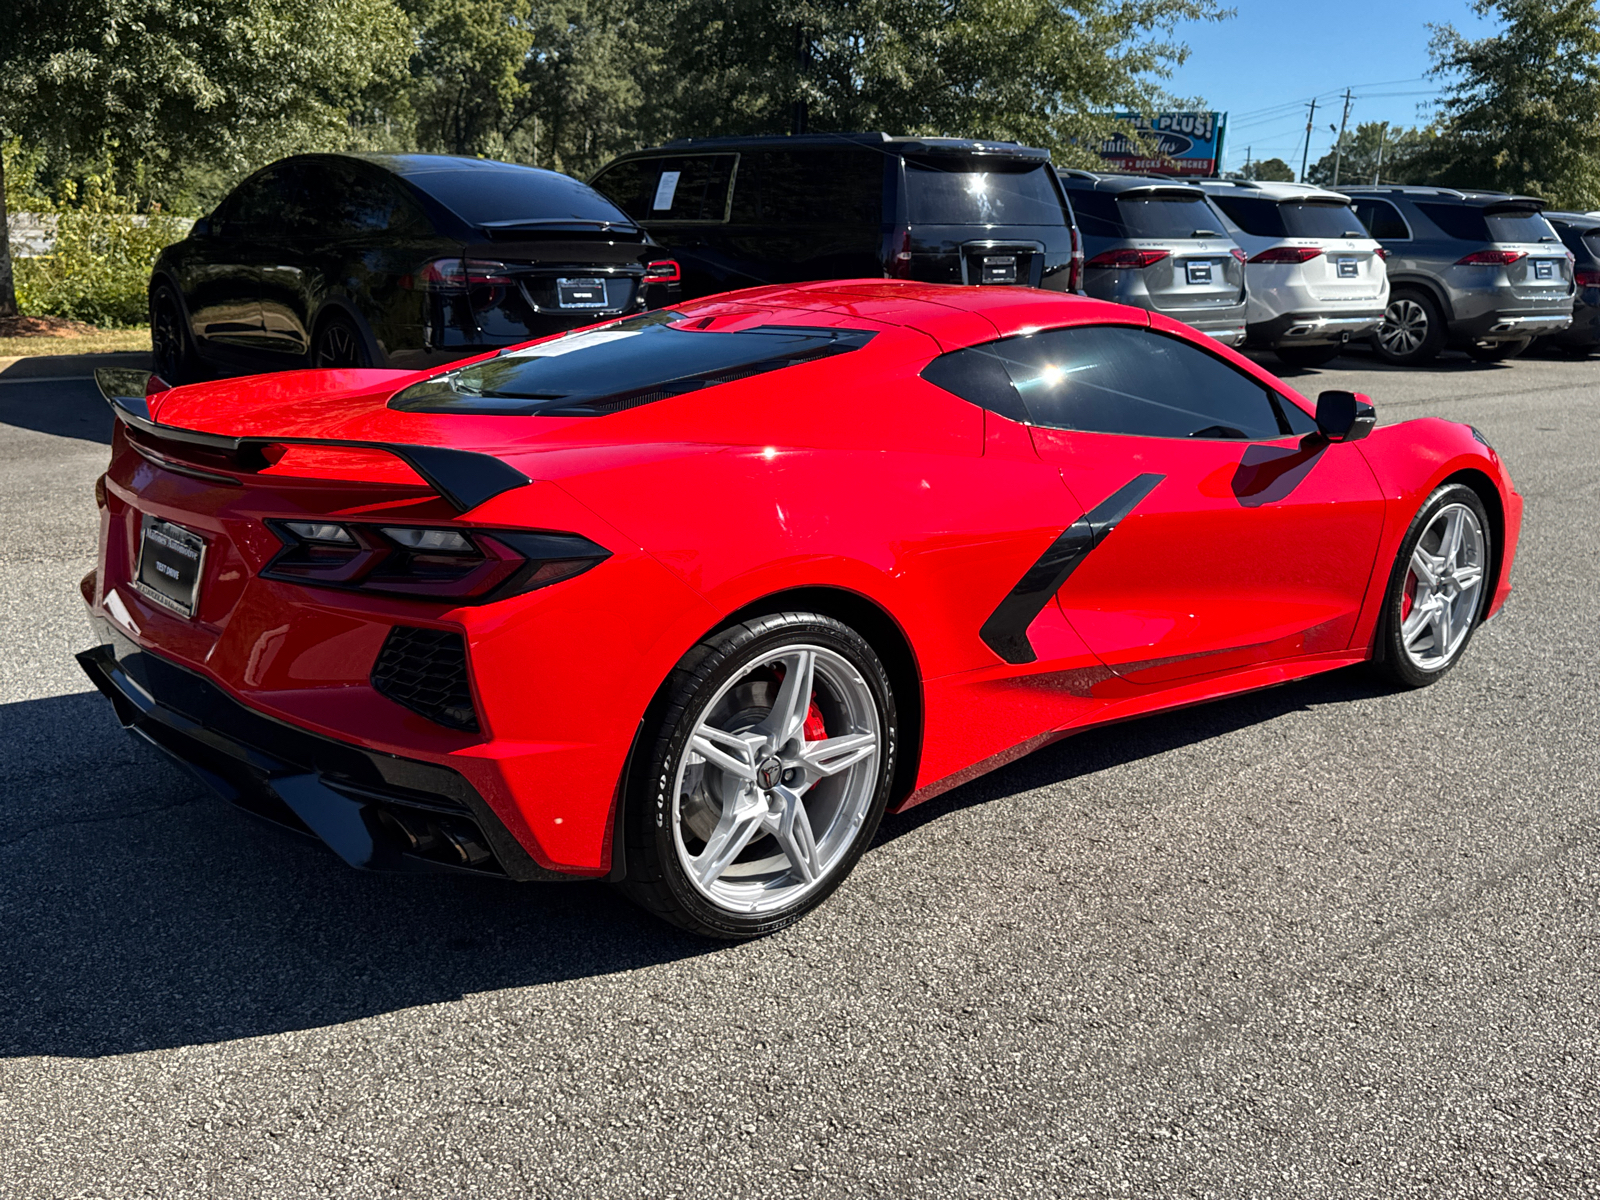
[762,809]
[1443,582]
[337,347]
[1404,327]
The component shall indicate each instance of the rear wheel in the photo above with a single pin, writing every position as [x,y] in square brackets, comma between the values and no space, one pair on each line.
[1499,351]
[764,777]
[171,353]
[1412,331]
[1308,356]
[1438,589]
[340,344]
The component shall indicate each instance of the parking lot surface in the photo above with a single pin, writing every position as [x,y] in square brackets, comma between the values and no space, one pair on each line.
[1323,940]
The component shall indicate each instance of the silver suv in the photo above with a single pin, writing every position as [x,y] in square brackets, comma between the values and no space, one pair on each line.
[1480,271]
[1155,243]
[1316,278]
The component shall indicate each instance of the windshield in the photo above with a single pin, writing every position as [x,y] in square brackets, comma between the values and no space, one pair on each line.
[623,365]
[511,195]
[1261,217]
[973,192]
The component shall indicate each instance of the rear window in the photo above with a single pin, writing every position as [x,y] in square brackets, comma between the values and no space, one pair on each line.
[691,188]
[1518,225]
[1101,214]
[808,187]
[621,366]
[1468,224]
[975,192]
[512,195]
[1261,217]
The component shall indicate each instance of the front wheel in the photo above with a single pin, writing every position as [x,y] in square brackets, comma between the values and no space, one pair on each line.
[1438,589]
[763,778]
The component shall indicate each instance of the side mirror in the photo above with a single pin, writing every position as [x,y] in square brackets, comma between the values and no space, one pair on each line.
[1345,416]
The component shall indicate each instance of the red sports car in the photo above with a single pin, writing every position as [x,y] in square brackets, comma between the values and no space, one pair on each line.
[687,601]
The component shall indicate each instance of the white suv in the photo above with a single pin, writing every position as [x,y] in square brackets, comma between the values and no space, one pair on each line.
[1315,277]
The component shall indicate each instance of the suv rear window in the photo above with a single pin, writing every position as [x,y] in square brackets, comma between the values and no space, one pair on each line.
[670,189]
[1102,214]
[1261,217]
[979,192]
[1466,223]
[620,366]
[505,196]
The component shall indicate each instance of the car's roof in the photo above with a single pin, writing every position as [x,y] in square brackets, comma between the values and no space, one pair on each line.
[1119,181]
[880,142]
[1477,197]
[1589,220]
[1272,190]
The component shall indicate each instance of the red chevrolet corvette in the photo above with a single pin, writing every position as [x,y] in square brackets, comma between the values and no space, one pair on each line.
[689,600]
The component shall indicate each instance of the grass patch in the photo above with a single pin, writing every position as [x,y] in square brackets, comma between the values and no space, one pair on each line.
[101,341]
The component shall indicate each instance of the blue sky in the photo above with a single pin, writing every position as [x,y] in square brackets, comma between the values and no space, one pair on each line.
[1261,66]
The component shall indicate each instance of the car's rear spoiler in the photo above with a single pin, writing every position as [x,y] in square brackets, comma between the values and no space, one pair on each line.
[465,478]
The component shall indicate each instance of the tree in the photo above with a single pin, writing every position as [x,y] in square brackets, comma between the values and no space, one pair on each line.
[1374,148]
[1521,112]
[466,83]
[1273,169]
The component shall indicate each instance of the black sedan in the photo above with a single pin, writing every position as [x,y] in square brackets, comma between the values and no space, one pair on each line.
[398,260]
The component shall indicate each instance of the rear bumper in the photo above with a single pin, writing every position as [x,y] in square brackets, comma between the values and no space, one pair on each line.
[1312,329]
[1509,327]
[376,811]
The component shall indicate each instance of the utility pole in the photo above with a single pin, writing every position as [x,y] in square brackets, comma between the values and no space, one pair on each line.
[1377,171]
[1247,162]
[1306,153]
[1338,147]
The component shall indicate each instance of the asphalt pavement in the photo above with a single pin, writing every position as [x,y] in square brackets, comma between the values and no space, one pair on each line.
[1327,940]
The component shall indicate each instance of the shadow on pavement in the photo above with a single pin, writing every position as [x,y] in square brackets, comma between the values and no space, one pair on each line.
[141,912]
[56,394]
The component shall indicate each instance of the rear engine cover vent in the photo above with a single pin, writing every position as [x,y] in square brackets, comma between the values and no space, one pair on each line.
[426,670]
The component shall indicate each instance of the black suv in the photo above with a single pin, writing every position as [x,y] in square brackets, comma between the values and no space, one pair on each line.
[741,212]
[1580,233]
[401,260]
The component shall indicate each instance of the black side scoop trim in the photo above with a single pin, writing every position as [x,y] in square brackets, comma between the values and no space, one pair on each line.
[1006,630]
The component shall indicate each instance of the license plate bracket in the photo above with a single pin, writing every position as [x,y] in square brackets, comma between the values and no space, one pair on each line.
[581,293]
[1198,271]
[1544,269]
[171,561]
[999,268]
[1348,268]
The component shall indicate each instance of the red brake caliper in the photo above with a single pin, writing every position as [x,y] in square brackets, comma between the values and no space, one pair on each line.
[815,730]
[1408,597]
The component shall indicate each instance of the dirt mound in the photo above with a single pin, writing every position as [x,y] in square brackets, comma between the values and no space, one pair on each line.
[50,327]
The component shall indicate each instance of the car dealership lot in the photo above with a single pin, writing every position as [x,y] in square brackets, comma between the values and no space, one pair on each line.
[1321,940]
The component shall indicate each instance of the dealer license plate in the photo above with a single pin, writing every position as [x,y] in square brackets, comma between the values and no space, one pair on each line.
[171,559]
[1544,269]
[1199,272]
[1349,268]
[581,293]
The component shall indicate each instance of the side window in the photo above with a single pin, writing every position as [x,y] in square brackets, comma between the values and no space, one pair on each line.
[1457,221]
[630,185]
[1382,220]
[346,202]
[809,187]
[1118,379]
[256,207]
[1097,214]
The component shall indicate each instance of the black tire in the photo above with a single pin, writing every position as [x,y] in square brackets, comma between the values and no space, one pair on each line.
[339,344]
[1308,356]
[1499,352]
[171,352]
[1390,657]
[657,820]
[1413,330]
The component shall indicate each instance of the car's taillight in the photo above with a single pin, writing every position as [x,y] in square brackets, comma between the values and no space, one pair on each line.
[899,265]
[1381,253]
[427,562]
[1075,270]
[1491,258]
[663,271]
[1123,259]
[1587,277]
[1239,254]
[440,275]
[1288,254]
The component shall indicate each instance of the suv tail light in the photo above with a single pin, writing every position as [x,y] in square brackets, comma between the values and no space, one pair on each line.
[899,264]
[1491,258]
[1587,277]
[1118,260]
[1288,254]
[1239,254]
[1381,252]
[1075,270]
[663,271]
[469,566]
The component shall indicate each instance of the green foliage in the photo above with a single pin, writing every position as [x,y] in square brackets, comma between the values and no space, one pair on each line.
[1522,109]
[1273,169]
[99,268]
[466,72]
[1373,149]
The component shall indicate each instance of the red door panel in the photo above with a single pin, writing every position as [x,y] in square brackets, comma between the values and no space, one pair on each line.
[1242,553]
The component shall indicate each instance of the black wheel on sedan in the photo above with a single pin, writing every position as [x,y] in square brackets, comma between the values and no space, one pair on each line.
[340,344]
[1499,351]
[172,355]
[1413,330]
